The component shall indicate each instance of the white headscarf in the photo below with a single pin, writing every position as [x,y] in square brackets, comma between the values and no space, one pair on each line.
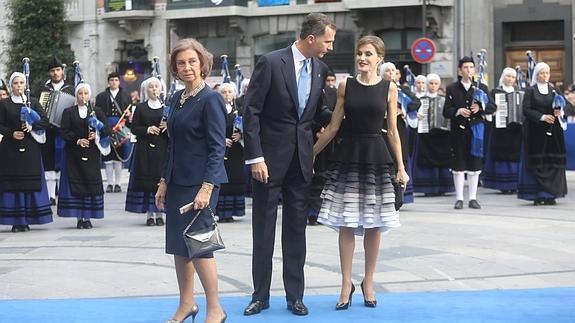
[15,75]
[385,66]
[420,78]
[144,87]
[230,86]
[506,71]
[433,76]
[538,68]
[83,86]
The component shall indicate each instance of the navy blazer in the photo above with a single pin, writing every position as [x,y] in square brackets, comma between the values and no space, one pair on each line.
[272,128]
[197,142]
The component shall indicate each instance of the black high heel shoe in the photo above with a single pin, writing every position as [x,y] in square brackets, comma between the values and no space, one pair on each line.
[193,312]
[367,303]
[224,318]
[346,305]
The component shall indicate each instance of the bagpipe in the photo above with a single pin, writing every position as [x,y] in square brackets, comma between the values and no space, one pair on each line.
[27,115]
[238,120]
[479,97]
[404,99]
[162,96]
[94,125]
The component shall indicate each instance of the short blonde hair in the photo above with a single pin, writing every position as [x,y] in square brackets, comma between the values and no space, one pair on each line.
[206,58]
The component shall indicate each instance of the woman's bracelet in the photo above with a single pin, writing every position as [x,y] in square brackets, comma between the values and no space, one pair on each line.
[207,187]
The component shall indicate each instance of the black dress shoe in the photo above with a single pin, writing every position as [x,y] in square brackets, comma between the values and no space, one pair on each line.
[256,306]
[366,302]
[87,224]
[109,189]
[159,222]
[117,189]
[150,222]
[25,228]
[473,204]
[549,202]
[346,305]
[18,228]
[80,224]
[458,205]
[297,307]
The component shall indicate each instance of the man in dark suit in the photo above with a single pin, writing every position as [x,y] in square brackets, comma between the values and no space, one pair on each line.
[281,104]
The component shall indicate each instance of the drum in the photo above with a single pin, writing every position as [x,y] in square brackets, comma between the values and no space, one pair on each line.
[120,134]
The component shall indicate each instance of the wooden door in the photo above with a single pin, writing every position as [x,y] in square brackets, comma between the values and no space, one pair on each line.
[554,57]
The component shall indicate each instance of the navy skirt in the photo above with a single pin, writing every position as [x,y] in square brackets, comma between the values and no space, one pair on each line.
[23,208]
[176,197]
[81,207]
[138,201]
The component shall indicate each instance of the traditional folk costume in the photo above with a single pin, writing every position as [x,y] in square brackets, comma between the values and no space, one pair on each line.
[23,193]
[466,139]
[232,199]
[149,154]
[431,158]
[53,149]
[113,103]
[502,153]
[542,176]
[81,189]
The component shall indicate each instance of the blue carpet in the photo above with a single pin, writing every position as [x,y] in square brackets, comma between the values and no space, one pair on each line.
[555,305]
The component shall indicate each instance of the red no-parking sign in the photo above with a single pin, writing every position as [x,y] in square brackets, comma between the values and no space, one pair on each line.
[423,50]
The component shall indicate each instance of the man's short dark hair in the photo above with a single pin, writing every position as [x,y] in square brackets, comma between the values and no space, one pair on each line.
[315,24]
[330,73]
[465,59]
[113,75]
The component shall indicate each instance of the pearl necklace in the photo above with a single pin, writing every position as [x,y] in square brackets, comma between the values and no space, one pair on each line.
[192,94]
[358,78]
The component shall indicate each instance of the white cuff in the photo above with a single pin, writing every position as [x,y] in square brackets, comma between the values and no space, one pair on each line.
[255,160]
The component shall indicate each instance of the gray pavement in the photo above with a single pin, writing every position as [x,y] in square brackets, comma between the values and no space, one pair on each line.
[507,244]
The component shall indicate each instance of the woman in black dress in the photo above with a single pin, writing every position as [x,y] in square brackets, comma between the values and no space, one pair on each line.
[148,124]
[542,167]
[23,192]
[358,198]
[232,200]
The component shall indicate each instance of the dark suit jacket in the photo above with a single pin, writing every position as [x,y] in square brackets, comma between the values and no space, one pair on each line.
[197,141]
[272,128]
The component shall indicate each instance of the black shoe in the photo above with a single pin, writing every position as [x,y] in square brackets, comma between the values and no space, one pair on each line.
[25,228]
[297,307]
[255,307]
[193,312]
[458,205]
[87,224]
[80,224]
[109,189]
[117,189]
[159,222]
[312,220]
[224,318]
[549,202]
[19,228]
[52,201]
[473,204]
[150,222]
[366,302]
[538,202]
[226,220]
[346,305]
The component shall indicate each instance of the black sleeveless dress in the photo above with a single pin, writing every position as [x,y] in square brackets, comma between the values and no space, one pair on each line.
[359,191]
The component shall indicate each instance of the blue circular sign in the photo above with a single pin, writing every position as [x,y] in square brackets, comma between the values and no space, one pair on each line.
[423,50]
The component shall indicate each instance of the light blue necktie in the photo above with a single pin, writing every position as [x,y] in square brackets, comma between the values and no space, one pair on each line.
[302,88]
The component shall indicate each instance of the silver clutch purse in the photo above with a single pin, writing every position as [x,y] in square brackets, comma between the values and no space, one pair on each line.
[202,241]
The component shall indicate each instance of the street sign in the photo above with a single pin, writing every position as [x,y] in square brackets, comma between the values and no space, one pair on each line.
[423,50]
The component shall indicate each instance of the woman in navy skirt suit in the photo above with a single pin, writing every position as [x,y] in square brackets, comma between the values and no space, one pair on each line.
[193,170]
